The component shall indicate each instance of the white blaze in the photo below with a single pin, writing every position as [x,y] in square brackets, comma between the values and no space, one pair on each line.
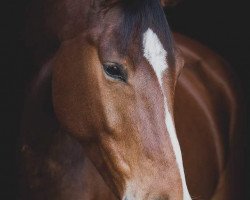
[156,55]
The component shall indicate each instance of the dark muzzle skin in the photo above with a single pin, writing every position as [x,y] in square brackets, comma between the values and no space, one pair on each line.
[165,197]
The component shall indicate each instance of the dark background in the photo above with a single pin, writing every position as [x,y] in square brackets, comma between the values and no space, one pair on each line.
[219,24]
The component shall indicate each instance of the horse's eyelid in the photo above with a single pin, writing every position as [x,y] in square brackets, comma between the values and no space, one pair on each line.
[123,77]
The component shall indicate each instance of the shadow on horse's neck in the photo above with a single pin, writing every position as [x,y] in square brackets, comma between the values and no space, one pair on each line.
[39,105]
[59,154]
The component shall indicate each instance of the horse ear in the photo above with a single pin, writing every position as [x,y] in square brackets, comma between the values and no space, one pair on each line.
[166,3]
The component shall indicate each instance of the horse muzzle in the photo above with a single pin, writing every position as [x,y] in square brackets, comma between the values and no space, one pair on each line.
[157,198]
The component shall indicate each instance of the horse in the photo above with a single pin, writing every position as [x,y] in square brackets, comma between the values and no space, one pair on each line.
[122,108]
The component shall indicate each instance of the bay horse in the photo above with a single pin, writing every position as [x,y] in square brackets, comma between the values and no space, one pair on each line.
[108,118]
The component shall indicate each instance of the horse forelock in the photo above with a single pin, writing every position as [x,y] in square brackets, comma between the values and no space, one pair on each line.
[138,16]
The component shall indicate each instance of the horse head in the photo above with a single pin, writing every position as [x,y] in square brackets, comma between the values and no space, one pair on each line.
[113,89]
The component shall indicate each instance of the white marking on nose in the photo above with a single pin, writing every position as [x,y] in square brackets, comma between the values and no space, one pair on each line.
[156,55]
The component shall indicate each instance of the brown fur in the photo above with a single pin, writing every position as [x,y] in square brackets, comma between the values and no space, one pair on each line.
[85,136]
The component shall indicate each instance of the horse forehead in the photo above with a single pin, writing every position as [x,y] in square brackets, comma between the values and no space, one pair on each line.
[155,53]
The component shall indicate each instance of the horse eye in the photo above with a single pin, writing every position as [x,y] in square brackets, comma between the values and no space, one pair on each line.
[115,71]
